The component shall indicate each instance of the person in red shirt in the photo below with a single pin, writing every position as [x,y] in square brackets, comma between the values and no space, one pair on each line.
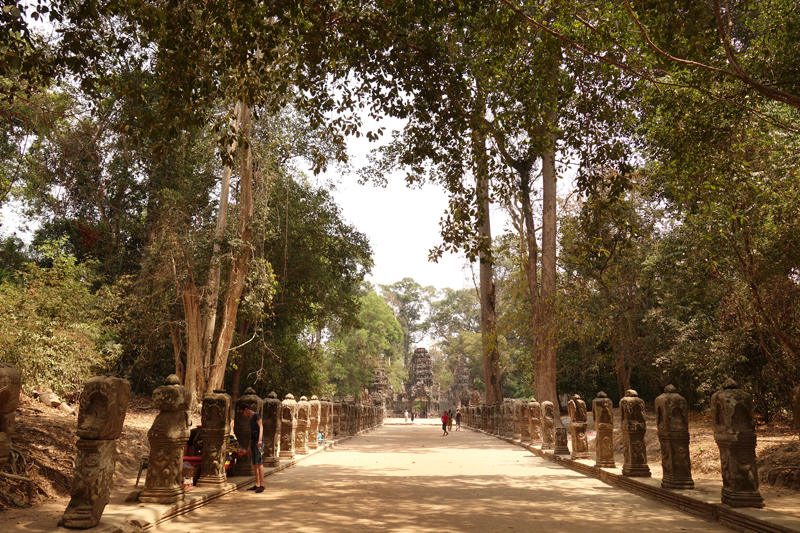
[444,423]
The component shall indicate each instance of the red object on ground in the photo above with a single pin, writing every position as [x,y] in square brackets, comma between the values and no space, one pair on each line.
[193,460]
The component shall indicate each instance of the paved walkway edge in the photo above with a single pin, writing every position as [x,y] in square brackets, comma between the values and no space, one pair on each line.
[746,520]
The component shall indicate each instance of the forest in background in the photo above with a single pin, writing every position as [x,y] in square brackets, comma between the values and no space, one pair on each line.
[161,150]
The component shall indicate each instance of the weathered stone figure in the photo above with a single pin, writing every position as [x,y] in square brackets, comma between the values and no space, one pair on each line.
[337,420]
[795,408]
[548,426]
[270,421]
[216,421]
[168,437]
[735,433]
[103,404]
[325,416]
[535,422]
[10,387]
[525,421]
[313,422]
[301,430]
[288,426]
[561,447]
[603,415]
[633,428]
[508,418]
[241,428]
[577,425]
[516,407]
[673,433]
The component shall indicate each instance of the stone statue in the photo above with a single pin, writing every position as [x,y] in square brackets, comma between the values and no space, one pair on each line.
[535,422]
[548,426]
[633,429]
[272,430]
[313,422]
[241,428]
[168,437]
[516,407]
[103,404]
[301,429]
[735,433]
[216,422]
[561,447]
[525,421]
[337,420]
[288,427]
[325,418]
[577,414]
[795,408]
[10,387]
[508,418]
[603,415]
[672,421]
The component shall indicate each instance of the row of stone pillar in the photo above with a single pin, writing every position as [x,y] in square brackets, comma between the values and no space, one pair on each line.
[533,424]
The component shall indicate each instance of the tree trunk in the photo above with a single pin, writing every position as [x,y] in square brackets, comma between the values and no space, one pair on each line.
[212,286]
[491,354]
[241,259]
[545,343]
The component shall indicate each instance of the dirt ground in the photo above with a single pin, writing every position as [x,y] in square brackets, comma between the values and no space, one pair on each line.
[44,451]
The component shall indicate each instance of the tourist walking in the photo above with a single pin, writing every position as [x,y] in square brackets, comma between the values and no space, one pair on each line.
[405,415]
[458,419]
[444,424]
[449,420]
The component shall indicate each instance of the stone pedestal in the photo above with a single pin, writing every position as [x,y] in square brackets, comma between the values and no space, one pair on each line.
[10,387]
[603,414]
[103,404]
[241,428]
[301,429]
[288,427]
[577,425]
[735,433]
[525,421]
[168,437]
[313,423]
[535,422]
[672,421]
[485,418]
[216,422]
[516,407]
[272,430]
[497,410]
[548,426]
[633,429]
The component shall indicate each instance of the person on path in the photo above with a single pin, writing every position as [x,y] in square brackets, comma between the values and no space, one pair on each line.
[458,419]
[444,424]
[449,420]
[405,415]
[412,417]
[256,446]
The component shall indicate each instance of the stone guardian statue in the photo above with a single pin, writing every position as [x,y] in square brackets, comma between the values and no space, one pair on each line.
[633,429]
[103,405]
[672,420]
[735,433]
[168,437]
[577,414]
[603,415]
[216,430]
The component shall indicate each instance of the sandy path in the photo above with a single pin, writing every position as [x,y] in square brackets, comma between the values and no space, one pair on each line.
[411,479]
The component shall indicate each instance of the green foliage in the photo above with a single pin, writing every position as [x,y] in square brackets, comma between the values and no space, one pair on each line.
[354,353]
[55,330]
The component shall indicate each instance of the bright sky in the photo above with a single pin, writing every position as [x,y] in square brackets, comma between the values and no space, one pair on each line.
[402,223]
